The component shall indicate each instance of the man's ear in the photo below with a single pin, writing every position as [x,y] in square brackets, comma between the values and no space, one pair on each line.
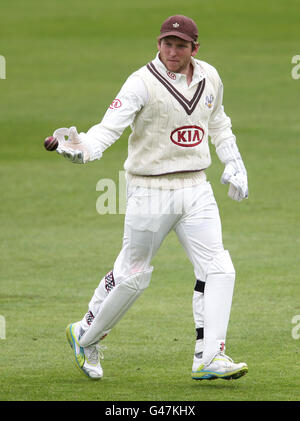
[195,49]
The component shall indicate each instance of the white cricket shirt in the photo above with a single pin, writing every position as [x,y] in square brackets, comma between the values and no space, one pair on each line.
[132,101]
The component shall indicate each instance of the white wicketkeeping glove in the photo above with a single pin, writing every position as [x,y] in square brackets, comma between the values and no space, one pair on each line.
[238,184]
[235,173]
[73,149]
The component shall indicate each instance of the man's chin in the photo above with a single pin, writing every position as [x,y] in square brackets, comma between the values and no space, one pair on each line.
[173,67]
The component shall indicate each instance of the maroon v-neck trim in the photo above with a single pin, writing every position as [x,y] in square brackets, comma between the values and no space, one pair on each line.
[189,106]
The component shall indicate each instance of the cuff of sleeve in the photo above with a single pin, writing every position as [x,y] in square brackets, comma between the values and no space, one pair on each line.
[92,147]
[228,152]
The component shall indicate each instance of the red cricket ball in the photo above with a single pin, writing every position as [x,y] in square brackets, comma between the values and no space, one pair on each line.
[51,143]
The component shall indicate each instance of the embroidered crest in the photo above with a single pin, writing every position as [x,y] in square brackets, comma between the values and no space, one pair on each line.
[209,101]
[175,25]
[171,75]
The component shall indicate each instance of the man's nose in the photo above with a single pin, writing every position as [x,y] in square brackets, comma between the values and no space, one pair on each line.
[173,51]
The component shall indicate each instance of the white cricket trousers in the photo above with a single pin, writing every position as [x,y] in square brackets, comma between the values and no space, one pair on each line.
[193,214]
[152,213]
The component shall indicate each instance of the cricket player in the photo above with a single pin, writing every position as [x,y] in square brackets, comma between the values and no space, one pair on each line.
[174,108]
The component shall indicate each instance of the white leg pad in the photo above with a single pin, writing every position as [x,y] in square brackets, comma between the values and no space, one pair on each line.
[219,288]
[115,305]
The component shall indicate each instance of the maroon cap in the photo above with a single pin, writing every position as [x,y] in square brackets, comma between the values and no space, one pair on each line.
[179,26]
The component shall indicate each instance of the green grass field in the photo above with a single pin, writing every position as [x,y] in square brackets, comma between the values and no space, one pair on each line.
[65,62]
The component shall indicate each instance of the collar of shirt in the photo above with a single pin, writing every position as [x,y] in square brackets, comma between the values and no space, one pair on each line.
[176,78]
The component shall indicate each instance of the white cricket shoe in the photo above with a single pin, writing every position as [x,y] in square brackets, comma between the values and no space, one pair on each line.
[87,359]
[221,367]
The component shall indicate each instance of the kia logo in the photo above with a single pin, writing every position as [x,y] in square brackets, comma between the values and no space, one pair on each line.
[187,136]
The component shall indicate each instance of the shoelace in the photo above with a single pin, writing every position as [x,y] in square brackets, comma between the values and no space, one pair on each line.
[93,353]
[100,349]
[223,355]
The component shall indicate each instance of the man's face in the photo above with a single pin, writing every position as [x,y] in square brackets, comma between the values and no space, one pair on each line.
[175,53]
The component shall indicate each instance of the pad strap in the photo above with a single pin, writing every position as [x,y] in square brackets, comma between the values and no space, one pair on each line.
[199,286]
